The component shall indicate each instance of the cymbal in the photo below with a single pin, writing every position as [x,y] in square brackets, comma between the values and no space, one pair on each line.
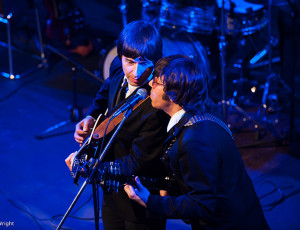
[266,2]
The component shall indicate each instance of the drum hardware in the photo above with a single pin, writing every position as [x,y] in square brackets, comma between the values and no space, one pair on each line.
[266,2]
[261,113]
[263,63]
[228,105]
[192,17]
[242,17]
[123,10]
[260,54]
[239,84]
[222,45]
[150,10]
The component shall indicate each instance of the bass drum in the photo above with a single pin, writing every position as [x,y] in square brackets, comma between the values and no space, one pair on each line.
[108,58]
[176,43]
[186,44]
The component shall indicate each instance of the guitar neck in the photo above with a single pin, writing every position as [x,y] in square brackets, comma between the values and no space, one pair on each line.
[159,183]
[112,182]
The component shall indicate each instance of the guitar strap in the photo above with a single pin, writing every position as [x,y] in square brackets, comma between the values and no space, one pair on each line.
[99,132]
[193,120]
[208,117]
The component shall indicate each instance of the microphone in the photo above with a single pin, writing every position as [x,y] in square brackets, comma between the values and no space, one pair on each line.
[141,94]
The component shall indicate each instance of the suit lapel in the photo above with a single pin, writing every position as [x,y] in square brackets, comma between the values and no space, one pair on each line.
[174,133]
[115,88]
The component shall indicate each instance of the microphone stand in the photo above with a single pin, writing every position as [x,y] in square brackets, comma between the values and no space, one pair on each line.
[10,47]
[93,177]
[75,114]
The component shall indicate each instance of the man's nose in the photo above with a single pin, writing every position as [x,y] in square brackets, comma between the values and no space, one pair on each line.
[139,70]
[150,83]
[135,69]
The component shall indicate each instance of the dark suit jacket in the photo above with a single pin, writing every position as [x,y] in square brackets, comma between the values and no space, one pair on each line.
[138,145]
[216,190]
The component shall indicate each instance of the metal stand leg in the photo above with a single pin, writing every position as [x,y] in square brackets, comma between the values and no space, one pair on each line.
[222,61]
[96,203]
[11,75]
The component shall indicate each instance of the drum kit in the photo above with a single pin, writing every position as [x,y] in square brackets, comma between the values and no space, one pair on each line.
[190,22]
[185,26]
[202,16]
[181,22]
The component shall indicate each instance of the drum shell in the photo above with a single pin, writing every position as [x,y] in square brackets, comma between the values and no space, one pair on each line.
[241,17]
[188,17]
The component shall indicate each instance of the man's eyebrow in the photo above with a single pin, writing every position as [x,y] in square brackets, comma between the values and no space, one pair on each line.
[129,59]
[138,60]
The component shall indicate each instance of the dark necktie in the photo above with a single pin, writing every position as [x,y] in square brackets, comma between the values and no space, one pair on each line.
[122,93]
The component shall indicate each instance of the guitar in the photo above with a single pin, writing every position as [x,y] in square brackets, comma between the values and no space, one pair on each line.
[83,160]
[109,174]
[111,179]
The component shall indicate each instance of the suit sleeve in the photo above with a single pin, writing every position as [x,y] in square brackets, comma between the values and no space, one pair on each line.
[198,162]
[146,148]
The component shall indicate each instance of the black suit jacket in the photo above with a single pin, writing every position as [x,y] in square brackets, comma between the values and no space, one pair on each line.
[216,192]
[137,146]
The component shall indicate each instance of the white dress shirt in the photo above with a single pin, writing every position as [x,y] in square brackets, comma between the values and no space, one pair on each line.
[175,119]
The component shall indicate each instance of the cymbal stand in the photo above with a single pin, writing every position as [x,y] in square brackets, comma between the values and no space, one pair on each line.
[231,102]
[261,113]
[262,110]
[123,9]
[222,45]
[294,14]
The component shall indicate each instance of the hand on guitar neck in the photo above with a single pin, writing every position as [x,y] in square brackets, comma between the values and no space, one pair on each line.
[139,193]
[83,129]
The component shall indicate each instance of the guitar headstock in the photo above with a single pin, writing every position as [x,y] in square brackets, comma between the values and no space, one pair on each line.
[83,162]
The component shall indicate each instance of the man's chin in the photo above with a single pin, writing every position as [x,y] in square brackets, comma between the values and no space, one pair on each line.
[153,105]
[134,83]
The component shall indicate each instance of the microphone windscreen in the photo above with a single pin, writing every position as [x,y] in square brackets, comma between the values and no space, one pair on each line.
[143,93]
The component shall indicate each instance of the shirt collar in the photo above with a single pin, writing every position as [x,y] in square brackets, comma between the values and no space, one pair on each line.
[131,89]
[175,119]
